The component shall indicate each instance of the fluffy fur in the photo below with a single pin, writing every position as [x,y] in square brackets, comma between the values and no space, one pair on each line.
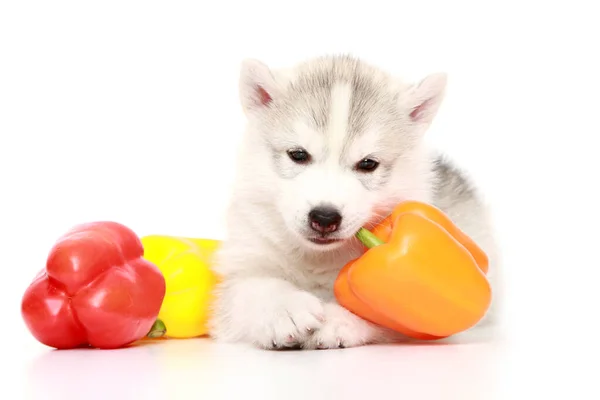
[277,289]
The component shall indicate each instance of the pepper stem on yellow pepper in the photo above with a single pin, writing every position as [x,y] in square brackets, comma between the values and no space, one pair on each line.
[158,329]
[368,238]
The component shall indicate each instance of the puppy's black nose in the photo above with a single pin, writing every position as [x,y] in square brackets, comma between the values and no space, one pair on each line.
[324,219]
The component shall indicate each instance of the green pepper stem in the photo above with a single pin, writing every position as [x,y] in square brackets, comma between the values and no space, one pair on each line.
[368,238]
[158,329]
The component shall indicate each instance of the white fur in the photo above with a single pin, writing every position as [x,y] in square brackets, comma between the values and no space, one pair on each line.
[277,286]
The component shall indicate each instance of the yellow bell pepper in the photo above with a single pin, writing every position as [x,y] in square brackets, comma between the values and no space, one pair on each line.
[185,264]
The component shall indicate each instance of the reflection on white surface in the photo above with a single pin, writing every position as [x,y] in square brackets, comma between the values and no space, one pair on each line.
[200,368]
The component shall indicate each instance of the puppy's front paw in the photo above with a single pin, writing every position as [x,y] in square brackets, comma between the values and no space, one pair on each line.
[266,312]
[344,329]
[288,321]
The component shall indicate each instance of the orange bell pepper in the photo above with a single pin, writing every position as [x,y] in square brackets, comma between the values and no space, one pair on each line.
[384,229]
[421,275]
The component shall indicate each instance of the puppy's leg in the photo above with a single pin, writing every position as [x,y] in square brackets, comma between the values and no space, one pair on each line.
[267,312]
[344,329]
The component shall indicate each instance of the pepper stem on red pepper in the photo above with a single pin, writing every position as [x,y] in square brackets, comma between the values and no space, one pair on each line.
[158,329]
[368,238]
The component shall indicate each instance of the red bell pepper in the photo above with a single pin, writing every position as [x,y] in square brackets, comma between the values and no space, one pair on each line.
[96,290]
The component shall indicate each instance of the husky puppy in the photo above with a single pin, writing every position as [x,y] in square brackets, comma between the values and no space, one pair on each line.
[331,145]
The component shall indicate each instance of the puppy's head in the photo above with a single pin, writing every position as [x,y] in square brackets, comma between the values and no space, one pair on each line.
[341,141]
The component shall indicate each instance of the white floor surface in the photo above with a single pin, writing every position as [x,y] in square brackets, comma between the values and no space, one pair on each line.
[475,367]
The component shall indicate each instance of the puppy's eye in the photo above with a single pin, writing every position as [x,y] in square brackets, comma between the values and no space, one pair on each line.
[299,156]
[367,165]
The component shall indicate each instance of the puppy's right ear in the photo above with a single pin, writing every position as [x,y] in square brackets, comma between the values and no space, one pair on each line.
[257,86]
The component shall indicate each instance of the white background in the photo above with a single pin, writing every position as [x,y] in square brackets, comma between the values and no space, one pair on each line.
[128,110]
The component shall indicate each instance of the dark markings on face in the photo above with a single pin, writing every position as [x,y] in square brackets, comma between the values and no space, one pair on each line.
[372,106]
[363,104]
[312,93]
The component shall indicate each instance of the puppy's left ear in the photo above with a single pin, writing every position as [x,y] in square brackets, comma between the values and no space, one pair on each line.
[422,101]
[257,86]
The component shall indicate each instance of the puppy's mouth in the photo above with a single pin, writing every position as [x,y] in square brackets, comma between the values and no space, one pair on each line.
[323,241]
